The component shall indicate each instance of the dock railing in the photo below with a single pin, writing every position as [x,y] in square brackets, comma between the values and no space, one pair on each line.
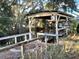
[46,35]
[14,37]
[20,50]
[17,47]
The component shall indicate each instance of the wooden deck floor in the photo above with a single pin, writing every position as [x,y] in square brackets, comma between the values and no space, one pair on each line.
[15,52]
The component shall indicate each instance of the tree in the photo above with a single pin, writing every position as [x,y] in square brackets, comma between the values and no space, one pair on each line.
[5,17]
[50,6]
[5,24]
[5,8]
[60,3]
[20,9]
[17,10]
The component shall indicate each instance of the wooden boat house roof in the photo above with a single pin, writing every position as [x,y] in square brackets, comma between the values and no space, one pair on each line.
[48,13]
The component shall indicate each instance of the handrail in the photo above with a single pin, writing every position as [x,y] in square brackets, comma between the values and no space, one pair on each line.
[17,44]
[8,37]
[21,44]
[45,35]
[15,37]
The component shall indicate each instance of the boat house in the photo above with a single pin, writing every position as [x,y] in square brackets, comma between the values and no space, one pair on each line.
[49,24]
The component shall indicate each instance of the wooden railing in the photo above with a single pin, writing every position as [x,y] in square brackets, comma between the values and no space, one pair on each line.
[15,37]
[21,44]
[38,52]
[46,35]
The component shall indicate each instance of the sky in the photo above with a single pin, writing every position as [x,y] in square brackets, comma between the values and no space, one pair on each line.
[77,3]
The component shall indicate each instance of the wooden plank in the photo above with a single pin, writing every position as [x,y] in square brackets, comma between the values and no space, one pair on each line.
[63,28]
[41,14]
[61,15]
[56,25]
[47,34]
[22,51]
[8,37]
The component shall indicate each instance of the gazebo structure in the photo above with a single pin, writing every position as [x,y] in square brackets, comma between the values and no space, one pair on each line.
[49,24]
[53,24]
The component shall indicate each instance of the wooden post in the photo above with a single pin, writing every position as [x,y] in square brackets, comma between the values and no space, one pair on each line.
[66,26]
[36,54]
[50,55]
[37,35]
[15,39]
[25,37]
[41,52]
[22,51]
[30,32]
[56,25]
[29,55]
[46,39]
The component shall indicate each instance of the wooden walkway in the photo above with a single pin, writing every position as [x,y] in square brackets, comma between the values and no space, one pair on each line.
[30,48]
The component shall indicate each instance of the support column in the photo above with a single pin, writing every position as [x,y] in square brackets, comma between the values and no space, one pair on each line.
[46,38]
[22,51]
[56,25]
[66,26]
[15,39]
[30,32]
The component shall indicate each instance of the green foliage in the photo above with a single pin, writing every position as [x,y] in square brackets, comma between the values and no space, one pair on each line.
[74,24]
[5,9]
[49,6]
[5,23]
[55,4]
